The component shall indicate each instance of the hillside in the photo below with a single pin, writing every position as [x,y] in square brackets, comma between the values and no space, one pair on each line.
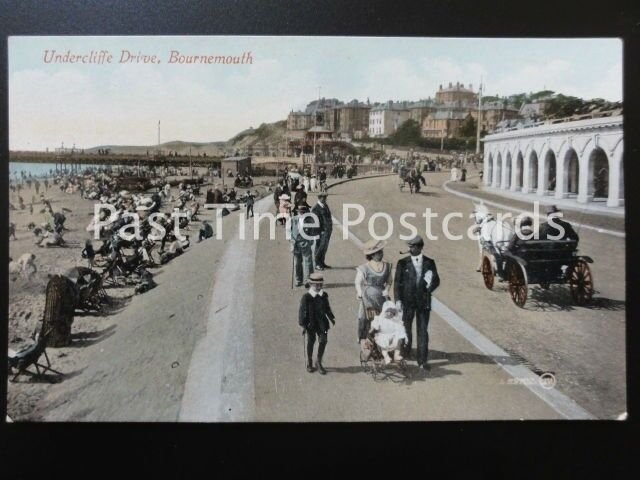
[212,149]
[266,135]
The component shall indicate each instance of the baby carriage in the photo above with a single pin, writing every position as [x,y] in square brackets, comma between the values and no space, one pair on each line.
[372,359]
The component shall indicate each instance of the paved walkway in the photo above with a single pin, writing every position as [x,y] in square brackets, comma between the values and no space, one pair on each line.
[465,383]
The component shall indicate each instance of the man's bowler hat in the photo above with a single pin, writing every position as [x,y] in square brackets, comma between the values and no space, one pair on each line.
[417,240]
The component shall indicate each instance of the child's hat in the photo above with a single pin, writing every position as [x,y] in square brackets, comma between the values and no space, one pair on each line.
[316,278]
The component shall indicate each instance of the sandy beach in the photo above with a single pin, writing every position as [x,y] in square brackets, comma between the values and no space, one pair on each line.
[26,396]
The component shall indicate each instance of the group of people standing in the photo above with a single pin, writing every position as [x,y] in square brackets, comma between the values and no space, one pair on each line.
[416,278]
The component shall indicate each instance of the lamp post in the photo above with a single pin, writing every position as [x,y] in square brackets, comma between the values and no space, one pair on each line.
[479,118]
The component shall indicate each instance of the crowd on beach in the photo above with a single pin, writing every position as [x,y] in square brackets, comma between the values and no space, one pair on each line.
[112,254]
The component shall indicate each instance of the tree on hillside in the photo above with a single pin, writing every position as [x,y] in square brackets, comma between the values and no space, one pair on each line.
[468,127]
[563,106]
[407,134]
[540,94]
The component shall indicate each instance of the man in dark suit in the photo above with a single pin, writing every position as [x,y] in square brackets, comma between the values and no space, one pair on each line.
[550,228]
[323,213]
[415,280]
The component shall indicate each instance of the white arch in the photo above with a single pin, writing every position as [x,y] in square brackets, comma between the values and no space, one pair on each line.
[588,178]
[543,169]
[565,167]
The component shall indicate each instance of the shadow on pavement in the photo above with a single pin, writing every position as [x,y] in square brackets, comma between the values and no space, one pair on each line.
[557,298]
[327,286]
[455,358]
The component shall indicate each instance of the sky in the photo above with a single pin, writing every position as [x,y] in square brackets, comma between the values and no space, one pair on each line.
[121,103]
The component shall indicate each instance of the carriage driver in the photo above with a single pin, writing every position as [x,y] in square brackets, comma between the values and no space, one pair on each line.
[550,229]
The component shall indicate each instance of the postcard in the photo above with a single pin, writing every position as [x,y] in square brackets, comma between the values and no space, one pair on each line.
[313,229]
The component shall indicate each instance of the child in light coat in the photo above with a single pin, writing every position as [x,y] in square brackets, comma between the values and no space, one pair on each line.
[389,331]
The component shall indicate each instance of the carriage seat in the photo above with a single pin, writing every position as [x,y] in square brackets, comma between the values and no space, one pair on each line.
[545,250]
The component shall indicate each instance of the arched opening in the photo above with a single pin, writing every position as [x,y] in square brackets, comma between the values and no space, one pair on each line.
[550,171]
[489,175]
[507,172]
[533,171]
[598,174]
[571,172]
[519,171]
[498,173]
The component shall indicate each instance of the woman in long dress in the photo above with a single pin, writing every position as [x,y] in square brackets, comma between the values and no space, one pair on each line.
[284,209]
[373,280]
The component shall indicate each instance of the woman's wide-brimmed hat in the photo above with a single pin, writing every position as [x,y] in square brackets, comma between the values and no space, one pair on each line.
[373,246]
[316,278]
[284,196]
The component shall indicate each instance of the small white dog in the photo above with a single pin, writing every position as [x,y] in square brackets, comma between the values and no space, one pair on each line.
[25,265]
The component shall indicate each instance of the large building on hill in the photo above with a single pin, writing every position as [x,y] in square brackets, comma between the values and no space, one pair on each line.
[353,118]
[299,120]
[457,96]
[386,118]
[420,109]
[444,123]
[494,113]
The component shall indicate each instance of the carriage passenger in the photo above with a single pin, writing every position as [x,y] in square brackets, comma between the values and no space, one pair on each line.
[523,233]
[549,231]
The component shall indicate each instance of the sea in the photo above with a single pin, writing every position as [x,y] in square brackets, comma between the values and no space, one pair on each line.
[38,169]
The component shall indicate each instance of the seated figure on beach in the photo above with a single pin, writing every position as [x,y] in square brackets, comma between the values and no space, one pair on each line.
[389,331]
[51,239]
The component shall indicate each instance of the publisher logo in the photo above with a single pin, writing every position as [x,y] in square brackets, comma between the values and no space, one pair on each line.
[547,380]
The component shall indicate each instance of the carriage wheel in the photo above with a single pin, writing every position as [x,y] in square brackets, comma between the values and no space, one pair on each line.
[517,284]
[581,283]
[487,272]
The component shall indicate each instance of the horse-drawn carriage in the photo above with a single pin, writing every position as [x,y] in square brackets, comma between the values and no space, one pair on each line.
[530,262]
[411,178]
[541,262]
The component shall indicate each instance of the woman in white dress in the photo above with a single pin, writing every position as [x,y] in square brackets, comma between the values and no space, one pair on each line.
[306,181]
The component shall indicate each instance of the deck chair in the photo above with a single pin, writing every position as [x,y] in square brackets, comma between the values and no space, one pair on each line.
[29,356]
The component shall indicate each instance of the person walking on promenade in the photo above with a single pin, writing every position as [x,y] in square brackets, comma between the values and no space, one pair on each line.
[300,197]
[284,209]
[301,227]
[276,195]
[415,280]
[250,203]
[314,316]
[322,179]
[323,213]
[373,280]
